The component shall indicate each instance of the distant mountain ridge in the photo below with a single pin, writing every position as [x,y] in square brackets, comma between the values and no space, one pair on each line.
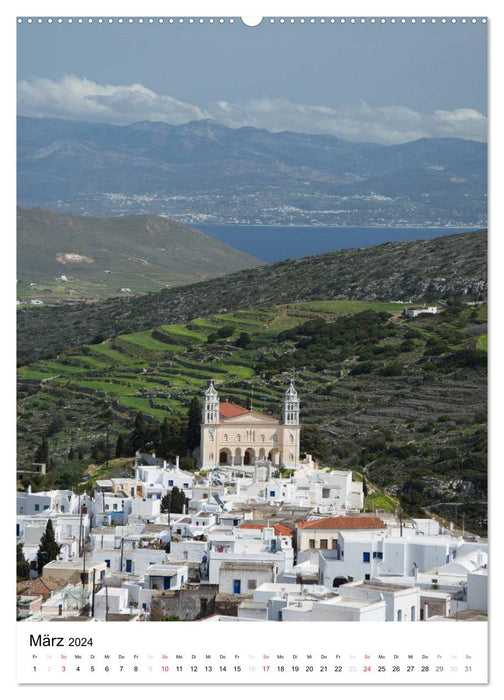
[99,256]
[452,266]
[204,171]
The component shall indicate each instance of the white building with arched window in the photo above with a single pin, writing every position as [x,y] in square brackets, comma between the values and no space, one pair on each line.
[234,436]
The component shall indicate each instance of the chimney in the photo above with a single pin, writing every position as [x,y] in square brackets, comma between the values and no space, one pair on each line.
[177,461]
[426,612]
[29,489]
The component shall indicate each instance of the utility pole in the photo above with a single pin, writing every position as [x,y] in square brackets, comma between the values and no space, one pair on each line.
[83,575]
[93,594]
[107,448]
[80,527]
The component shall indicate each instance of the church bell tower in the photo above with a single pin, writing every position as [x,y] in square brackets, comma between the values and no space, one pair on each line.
[290,407]
[211,405]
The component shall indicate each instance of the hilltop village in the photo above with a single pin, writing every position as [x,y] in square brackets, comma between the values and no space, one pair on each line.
[256,534]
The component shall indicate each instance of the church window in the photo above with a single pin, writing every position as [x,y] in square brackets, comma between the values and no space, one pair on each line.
[238,438]
[225,437]
[291,457]
[292,438]
[210,456]
[262,438]
[211,437]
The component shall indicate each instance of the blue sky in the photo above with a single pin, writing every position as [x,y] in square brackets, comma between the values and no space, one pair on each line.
[388,83]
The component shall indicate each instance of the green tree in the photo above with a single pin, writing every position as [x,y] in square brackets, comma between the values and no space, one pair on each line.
[226,331]
[193,434]
[166,503]
[243,341]
[315,442]
[162,442]
[120,450]
[22,566]
[139,433]
[49,549]
[174,502]
[42,452]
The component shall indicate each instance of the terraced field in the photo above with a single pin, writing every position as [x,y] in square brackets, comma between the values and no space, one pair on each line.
[138,371]
[389,407]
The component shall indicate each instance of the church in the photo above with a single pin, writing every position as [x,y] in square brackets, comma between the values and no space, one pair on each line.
[235,436]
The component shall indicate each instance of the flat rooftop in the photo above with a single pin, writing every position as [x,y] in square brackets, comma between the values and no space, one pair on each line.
[248,566]
[390,588]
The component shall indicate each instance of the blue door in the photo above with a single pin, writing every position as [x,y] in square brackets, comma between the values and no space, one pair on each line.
[128,565]
[236,585]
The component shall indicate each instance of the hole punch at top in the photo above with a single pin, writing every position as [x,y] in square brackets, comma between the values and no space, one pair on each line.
[252,21]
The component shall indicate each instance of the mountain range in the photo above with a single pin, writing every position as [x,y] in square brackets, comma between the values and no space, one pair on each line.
[203,171]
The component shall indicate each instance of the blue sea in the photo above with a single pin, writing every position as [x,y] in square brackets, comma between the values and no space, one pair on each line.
[275,243]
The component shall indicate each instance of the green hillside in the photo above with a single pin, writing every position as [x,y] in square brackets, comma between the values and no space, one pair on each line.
[449,267]
[63,257]
[403,402]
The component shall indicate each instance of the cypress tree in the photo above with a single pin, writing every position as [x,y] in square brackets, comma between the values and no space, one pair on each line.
[120,446]
[166,503]
[178,500]
[139,434]
[49,549]
[163,440]
[42,452]
[194,425]
[22,566]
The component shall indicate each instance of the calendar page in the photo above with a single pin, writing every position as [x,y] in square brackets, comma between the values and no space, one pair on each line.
[252,348]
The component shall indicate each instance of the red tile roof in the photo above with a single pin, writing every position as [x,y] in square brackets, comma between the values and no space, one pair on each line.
[44,586]
[344,523]
[279,529]
[230,410]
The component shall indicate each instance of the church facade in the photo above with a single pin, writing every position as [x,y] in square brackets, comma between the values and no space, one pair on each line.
[234,436]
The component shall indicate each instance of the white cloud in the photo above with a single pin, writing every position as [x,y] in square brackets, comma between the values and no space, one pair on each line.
[77,98]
